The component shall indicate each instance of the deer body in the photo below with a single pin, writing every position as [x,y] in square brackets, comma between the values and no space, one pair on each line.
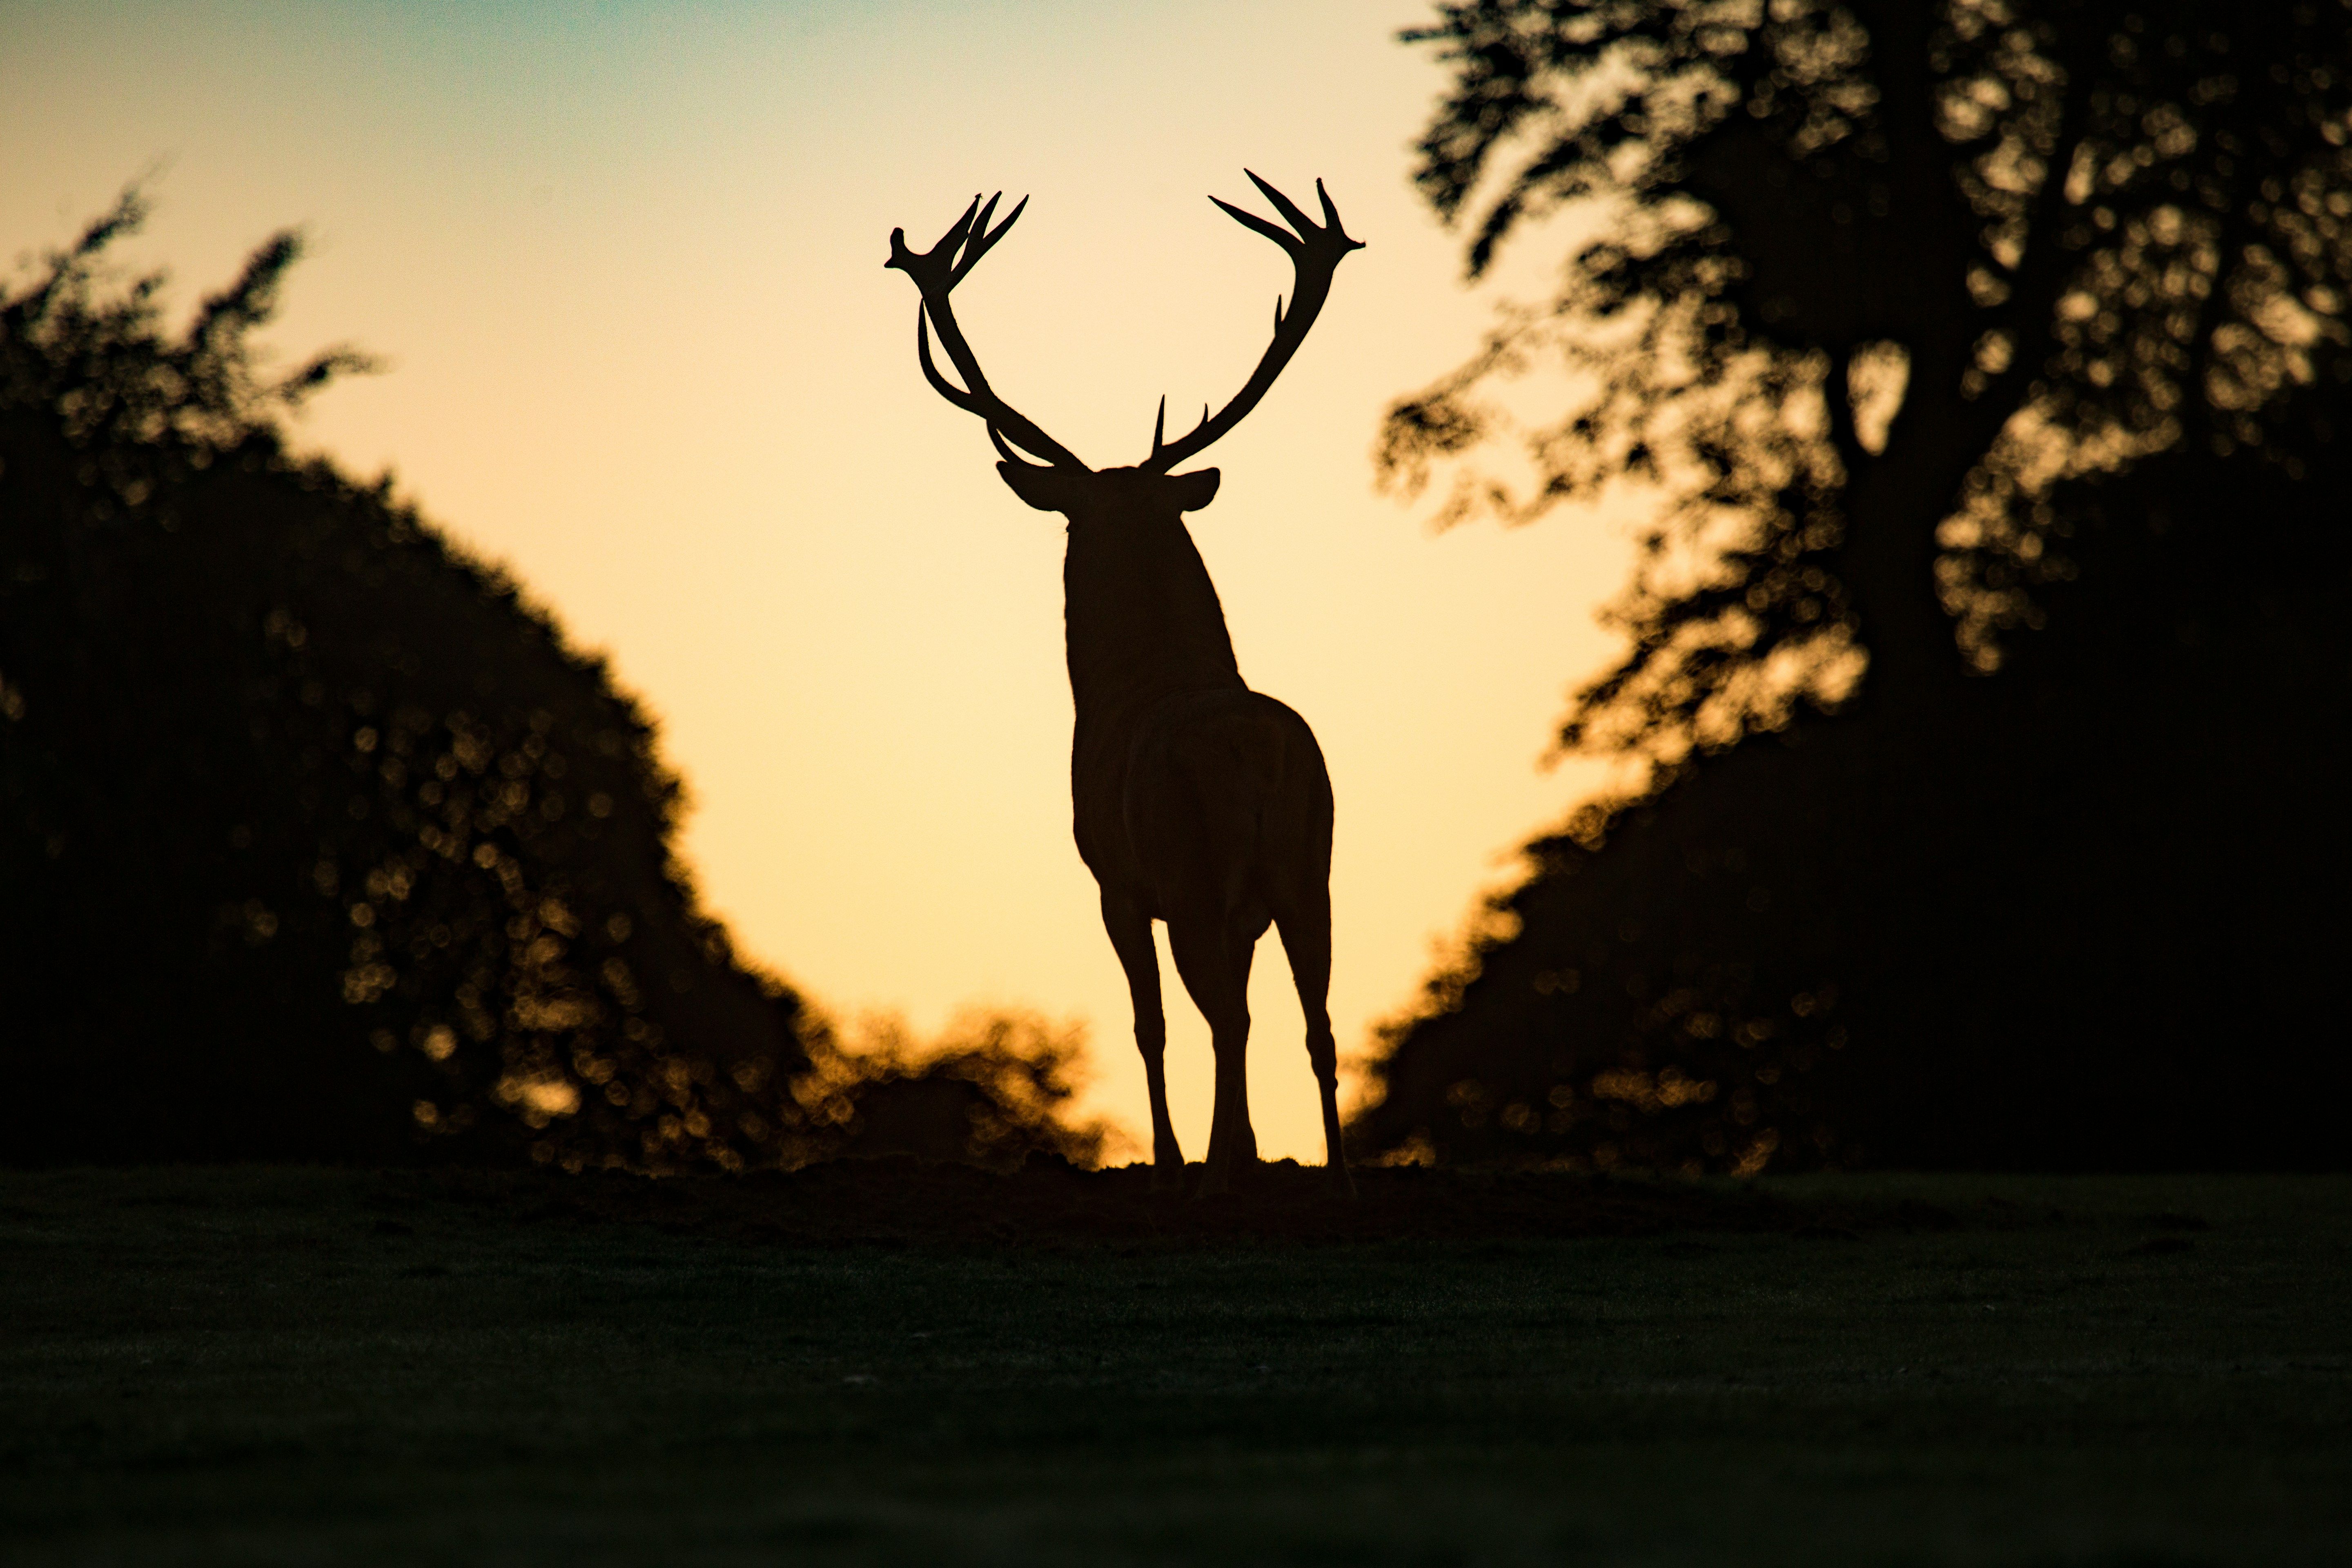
[1148,651]
[1195,801]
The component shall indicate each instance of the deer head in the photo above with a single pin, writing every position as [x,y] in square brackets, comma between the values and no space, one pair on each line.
[1061,483]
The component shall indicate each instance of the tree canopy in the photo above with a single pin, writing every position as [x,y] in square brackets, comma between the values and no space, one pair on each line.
[1984,365]
[1871,278]
[319,840]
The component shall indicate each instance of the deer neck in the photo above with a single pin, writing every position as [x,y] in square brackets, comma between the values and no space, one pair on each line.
[1140,617]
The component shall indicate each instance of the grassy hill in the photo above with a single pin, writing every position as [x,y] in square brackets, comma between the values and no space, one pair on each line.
[894,1362]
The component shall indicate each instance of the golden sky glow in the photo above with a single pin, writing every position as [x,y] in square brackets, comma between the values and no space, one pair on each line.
[625,263]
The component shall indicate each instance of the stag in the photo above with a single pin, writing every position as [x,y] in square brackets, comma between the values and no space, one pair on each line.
[1197,801]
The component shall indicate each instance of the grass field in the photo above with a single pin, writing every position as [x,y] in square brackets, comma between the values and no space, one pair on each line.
[283,1366]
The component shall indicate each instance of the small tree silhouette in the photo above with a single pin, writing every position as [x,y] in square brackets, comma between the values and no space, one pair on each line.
[992,1090]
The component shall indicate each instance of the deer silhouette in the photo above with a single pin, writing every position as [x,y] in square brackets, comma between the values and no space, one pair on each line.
[1197,801]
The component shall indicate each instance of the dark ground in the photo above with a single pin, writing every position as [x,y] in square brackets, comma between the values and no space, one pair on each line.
[889,1364]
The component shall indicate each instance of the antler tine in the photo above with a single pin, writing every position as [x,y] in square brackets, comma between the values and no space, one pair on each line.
[1159,423]
[1290,211]
[936,272]
[983,238]
[976,224]
[953,241]
[940,384]
[1250,220]
[1316,251]
[996,437]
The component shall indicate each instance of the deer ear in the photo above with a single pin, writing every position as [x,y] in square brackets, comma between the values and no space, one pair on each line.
[1045,489]
[1195,491]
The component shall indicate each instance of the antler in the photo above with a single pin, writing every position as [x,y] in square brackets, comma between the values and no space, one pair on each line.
[939,269]
[1316,254]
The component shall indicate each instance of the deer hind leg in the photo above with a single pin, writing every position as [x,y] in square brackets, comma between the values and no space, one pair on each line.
[1213,957]
[1130,937]
[1307,942]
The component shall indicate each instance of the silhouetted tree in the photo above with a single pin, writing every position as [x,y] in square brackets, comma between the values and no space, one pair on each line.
[316,839]
[993,1091]
[1923,325]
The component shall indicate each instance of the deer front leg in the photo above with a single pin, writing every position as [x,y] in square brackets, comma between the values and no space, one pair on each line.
[1216,971]
[1130,937]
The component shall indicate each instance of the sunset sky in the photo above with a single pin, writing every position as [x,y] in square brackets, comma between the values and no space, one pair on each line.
[624,263]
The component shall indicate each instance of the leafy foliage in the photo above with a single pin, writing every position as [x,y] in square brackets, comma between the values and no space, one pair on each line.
[1867,280]
[320,840]
[995,1090]
[2091,921]
[1924,328]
